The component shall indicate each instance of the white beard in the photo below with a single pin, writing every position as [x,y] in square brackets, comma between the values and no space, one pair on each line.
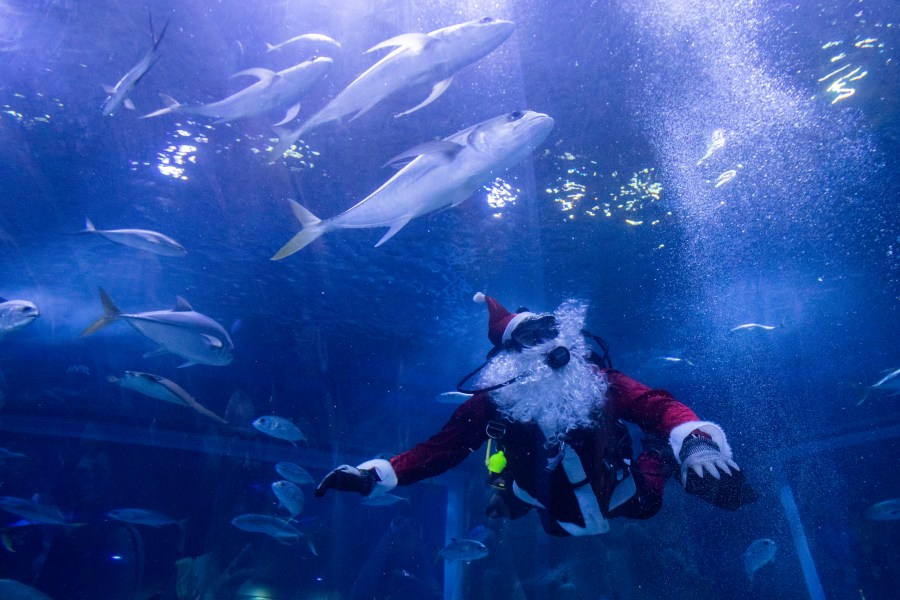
[558,400]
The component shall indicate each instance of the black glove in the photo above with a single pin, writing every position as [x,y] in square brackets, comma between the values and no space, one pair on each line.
[348,479]
[724,486]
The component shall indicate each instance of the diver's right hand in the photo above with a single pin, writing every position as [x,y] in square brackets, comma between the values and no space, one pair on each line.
[348,479]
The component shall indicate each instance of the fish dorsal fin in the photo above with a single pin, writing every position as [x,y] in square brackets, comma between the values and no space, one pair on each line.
[445,147]
[109,89]
[413,41]
[264,75]
[2,299]
[397,226]
[181,305]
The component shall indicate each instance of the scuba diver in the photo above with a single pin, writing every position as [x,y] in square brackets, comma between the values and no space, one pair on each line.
[554,409]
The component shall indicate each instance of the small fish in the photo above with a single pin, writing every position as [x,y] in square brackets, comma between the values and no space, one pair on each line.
[182,331]
[6,453]
[316,38]
[39,514]
[294,473]
[290,496]
[279,529]
[141,516]
[16,314]
[140,239]
[463,550]
[666,362]
[888,510]
[279,427]
[161,388]
[118,94]
[452,398]
[752,327]
[10,589]
[383,500]
[758,554]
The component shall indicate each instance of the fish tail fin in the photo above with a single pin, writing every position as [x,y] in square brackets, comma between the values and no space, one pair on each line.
[864,397]
[171,105]
[111,314]
[156,39]
[286,139]
[269,47]
[312,229]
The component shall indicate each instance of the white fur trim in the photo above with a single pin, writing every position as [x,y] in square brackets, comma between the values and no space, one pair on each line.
[679,433]
[514,322]
[385,473]
[479,298]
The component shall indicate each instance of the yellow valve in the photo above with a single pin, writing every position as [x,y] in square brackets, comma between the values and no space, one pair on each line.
[497,462]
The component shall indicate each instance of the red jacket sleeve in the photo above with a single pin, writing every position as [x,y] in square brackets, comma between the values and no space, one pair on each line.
[463,434]
[654,411]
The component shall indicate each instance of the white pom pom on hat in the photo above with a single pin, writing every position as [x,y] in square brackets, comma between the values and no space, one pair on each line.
[501,322]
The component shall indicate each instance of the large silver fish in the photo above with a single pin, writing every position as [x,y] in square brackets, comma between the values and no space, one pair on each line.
[181,331]
[141,239]
[16,314]
[418,59]
[272,91]
[119,93]
[161,388]
[442,174]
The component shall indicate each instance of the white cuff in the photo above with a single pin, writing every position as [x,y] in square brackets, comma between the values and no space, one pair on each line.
[386,475]
[679,433]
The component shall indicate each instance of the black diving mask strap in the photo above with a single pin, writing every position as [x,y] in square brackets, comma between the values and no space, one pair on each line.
[460,388]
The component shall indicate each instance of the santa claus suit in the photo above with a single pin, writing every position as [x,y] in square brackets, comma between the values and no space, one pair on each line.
[560,428]
[575,486]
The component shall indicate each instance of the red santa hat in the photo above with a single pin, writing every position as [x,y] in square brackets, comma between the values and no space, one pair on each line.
[501,322]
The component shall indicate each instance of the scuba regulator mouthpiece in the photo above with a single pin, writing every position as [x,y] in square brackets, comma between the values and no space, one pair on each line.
[558,357]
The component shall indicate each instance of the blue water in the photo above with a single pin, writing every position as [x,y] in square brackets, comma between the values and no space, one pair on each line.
[712,164]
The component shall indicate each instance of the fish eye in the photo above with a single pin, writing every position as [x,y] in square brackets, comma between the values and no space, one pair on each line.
[487,20]
[515,116]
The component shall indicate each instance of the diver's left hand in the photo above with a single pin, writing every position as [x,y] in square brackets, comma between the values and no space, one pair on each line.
[701,454]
